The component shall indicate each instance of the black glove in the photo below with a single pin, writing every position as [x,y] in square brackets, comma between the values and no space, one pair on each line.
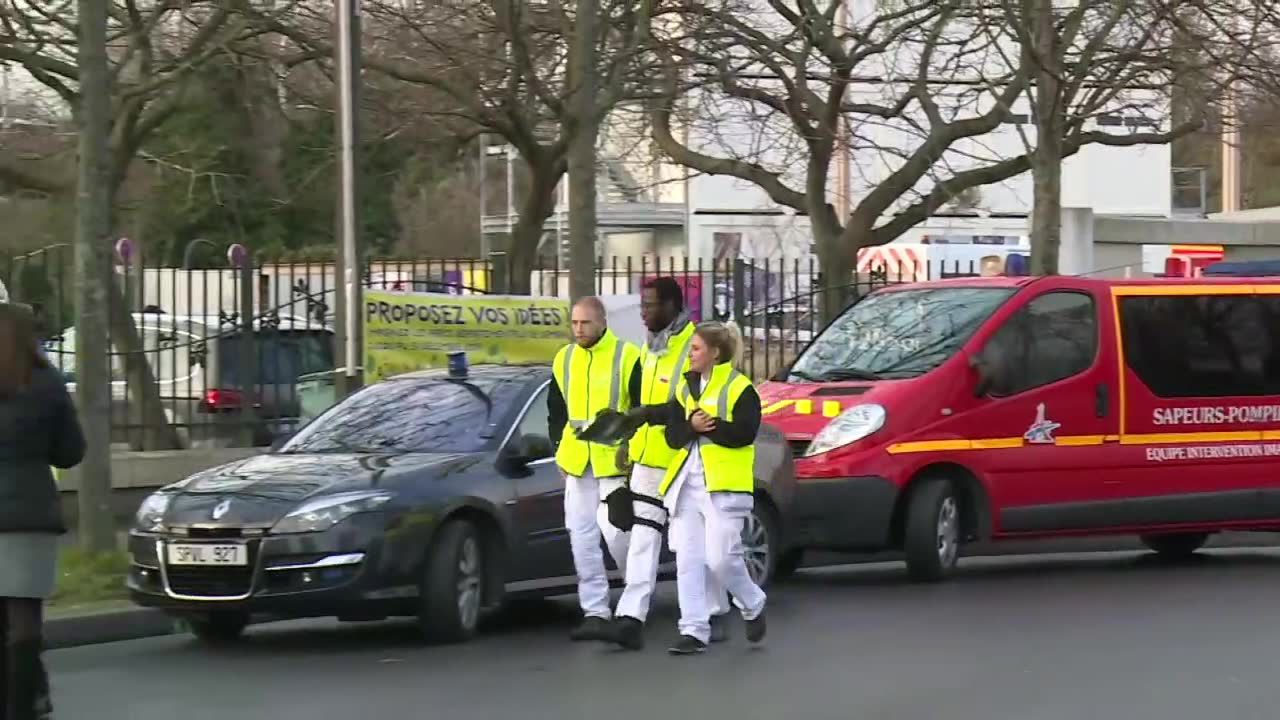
[610,428]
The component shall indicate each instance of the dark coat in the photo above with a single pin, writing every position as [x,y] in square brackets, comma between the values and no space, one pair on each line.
[38,429]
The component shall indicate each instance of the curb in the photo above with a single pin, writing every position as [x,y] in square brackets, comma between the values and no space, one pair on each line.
[108,626]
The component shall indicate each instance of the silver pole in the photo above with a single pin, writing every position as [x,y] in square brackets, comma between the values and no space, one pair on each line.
[348,16]
[484,160]
[511,194]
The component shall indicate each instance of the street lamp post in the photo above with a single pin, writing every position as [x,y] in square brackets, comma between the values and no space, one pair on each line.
[349,305]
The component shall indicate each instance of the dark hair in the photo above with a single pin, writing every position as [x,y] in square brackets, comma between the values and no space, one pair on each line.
[18,352]
[668,290]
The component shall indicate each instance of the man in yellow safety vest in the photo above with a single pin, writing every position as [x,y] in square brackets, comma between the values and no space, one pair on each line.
[596,372]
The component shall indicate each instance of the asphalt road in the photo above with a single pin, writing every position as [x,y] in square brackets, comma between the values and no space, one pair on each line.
[1060,637]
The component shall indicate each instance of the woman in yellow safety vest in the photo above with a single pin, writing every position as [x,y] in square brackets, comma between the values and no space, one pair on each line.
[708,487]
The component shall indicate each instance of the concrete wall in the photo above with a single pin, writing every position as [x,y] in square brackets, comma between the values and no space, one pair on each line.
[134,475]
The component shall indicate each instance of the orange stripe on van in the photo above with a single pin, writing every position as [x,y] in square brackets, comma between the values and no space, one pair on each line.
[923,446]
[1174,290]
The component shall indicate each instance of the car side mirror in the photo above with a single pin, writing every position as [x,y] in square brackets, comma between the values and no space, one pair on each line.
[527,449]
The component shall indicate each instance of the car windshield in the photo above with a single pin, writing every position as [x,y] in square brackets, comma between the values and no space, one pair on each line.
[413,416]
[898,334]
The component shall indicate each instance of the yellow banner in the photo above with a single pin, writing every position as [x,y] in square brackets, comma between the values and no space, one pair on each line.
[404,332]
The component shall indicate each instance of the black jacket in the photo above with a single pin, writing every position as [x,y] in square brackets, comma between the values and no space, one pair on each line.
[738,433]
[38,429]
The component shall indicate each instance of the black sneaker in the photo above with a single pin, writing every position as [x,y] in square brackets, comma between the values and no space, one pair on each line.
[687,645]
[592,628]
[719,628]
[627,632]
[756,629]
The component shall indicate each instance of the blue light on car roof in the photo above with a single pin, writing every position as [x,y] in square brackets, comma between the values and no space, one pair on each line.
[458,364]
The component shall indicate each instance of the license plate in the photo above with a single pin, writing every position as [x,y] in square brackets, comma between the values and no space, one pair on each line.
[208,555]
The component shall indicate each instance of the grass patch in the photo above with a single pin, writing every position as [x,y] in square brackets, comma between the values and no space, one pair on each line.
[85,579]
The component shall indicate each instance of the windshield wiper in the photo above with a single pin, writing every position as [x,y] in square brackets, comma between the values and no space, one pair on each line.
[850,373]
[802,375]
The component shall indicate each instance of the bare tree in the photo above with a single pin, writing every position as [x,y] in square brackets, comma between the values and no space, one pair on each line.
[912,90]
[152,48]
[1123,62]
[497,67]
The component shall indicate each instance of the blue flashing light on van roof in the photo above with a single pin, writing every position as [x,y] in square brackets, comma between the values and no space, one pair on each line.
[1017,265]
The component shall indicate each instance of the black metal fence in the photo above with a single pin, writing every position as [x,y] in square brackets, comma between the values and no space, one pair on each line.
[181,369]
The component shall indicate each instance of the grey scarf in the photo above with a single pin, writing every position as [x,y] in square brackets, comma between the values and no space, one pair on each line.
[658,343]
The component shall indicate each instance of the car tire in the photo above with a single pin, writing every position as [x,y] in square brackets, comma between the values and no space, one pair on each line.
[220,627]
[788,564]
[760,547]
[932,531]
[453,584]
[1177,545]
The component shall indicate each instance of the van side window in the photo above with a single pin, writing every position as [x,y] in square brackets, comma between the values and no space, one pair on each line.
[1203,345]
[1054,337]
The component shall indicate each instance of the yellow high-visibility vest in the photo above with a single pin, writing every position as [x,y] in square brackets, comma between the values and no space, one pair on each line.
[726,469]
[592,379]
[660,377]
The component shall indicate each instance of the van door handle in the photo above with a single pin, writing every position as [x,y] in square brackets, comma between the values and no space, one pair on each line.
[1102,404]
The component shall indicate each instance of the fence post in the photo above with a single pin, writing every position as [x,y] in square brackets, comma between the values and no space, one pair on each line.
[248,355]
[501,269]
[740,293]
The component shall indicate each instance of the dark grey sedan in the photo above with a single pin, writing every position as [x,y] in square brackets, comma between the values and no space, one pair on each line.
[425,495]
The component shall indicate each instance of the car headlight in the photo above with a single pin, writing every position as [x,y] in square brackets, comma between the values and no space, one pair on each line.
[323,513]
[150,516]
[848,427]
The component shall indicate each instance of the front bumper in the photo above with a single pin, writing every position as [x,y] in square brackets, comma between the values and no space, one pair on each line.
[344,570]
[844,513]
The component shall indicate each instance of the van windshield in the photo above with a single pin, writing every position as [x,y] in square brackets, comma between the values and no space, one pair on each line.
[899,334]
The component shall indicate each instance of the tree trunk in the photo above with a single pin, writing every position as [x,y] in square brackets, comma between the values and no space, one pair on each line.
[143,390]
[1046,160]
[582,154]
[835,261]
[92,270]
[537,205]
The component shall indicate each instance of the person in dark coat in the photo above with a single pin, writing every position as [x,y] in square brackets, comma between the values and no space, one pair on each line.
[39,430]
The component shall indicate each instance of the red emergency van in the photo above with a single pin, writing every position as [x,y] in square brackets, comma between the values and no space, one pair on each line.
[931,415]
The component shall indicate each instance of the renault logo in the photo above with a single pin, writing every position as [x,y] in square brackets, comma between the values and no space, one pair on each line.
[221,509]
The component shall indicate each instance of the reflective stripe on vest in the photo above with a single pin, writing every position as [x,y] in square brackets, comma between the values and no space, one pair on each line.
[580,389]
[649,444]
[725,469]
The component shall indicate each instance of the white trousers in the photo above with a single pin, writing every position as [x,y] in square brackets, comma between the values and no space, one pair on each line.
[645,551]
[587,518]
[706,531]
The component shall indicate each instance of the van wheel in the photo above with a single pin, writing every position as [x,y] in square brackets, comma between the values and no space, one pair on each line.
[932,532]
[1177,545]
[453,584]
